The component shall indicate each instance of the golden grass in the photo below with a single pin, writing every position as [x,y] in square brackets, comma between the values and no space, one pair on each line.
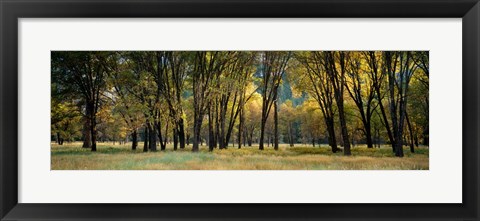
[121,157]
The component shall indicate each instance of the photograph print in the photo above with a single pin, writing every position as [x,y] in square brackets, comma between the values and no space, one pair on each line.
[239,110]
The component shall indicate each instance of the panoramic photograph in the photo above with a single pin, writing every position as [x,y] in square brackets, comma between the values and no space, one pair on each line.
[239,110]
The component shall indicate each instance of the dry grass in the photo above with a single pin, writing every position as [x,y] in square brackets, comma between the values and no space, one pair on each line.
[121,157]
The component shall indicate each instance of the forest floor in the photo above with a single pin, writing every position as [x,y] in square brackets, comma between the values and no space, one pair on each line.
[71,156]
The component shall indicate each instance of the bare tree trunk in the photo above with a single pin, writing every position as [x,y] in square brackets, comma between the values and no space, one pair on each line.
[94,138]
[153,138]
[93,131]
[211,135]
[332,139]
[175,138]
[262,134]
[368,134]
[181,133]
[221,128]
[240,127]
[196,132]
[245,136]
[87,138]
[134,140]
[166,141]
[412,148]
[146,137]
[163,143]
[343,125]
[387,125]
[59,138]
[275,119]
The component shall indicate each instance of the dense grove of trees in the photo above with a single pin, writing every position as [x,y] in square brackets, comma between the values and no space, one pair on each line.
[239,98]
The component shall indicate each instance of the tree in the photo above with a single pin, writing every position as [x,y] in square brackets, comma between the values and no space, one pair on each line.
[230,95]
[145,88]
[312,125]
[421,59]
[207,69]
[288,117]
[242,70]
[171,79]
[377,76]
[318,86]
[398,81]
[361,90]
[335,66]
[65,121]
[84,73]
[251,124]
[273,65]
[126,103]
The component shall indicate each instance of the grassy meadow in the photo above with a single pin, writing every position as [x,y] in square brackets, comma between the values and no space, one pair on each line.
[71,156]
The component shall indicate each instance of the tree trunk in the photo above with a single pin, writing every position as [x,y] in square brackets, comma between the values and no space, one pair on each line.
[425,137]
[385,120]
[158,127]
[59,138]
[275,119]
[153,138]
[211,135]
[146,137]
[175,138]
[368,135]
[221,129]
[134,140]
[196,133]
[240,123]
[94,137]
[412,148]
[343,125]
[197,124]
[87,138]
[93,125]
[216,134]
[332,139]
[262,134]
[181,133]
[250,138]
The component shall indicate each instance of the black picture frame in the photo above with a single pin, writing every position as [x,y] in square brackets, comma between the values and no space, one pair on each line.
[11,11]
